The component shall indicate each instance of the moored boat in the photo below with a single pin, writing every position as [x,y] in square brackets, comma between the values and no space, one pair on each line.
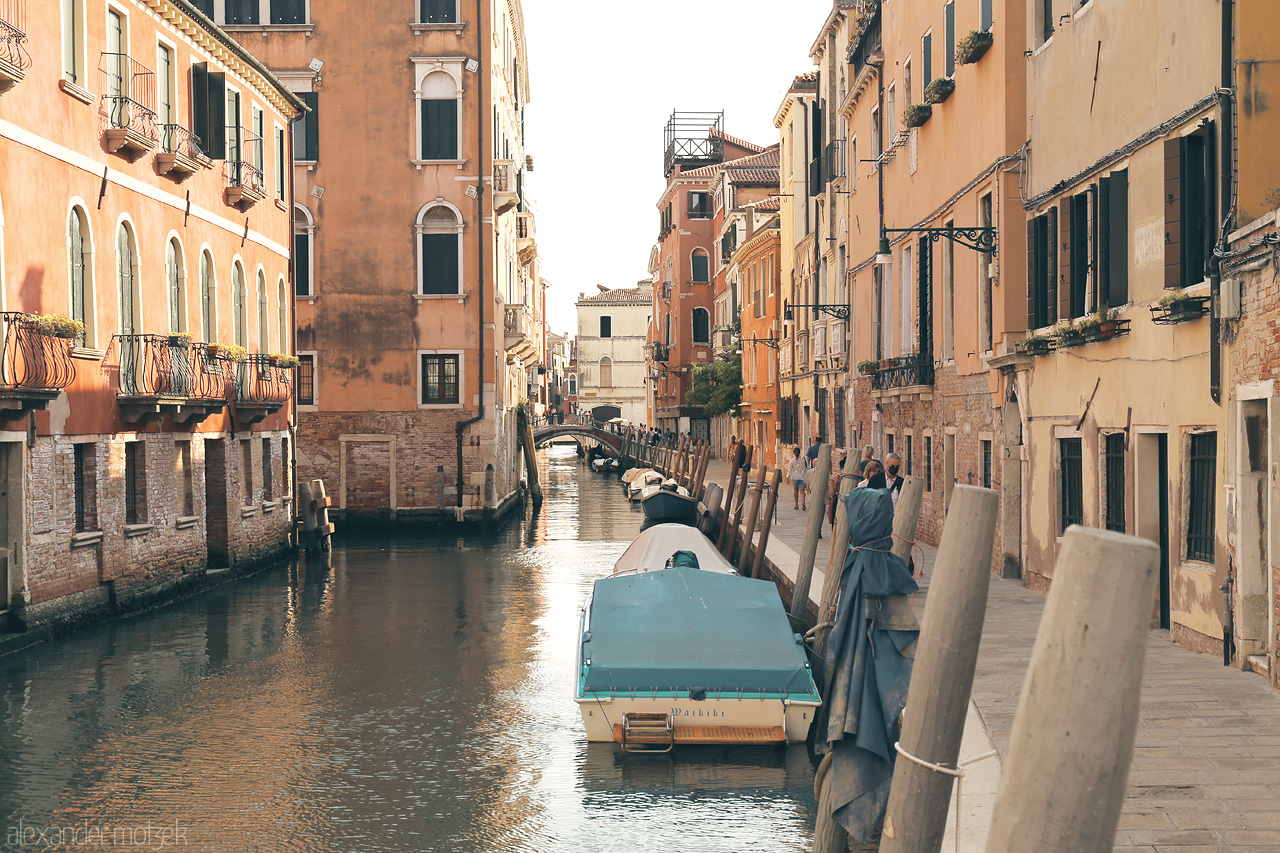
[668,502]
[676,648]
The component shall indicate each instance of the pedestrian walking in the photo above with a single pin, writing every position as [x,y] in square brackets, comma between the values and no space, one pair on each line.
[833,492]
[797,466]
[892,482]
[868,453]
[812,453]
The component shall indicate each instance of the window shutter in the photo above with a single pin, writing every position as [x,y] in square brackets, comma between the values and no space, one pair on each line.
[1063,282]
[310,128]
[1102,240]
[1051,264]
[951,39]
[200,104]
[1118,238]
[1193,203]
[439,263]
[302,264]
[1208,135]
[1033,274]
[1079,255]
[217,95]
[439,128]
[1173,213]
[927,57]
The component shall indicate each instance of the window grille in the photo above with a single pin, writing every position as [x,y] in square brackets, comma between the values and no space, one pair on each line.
[1114,453]
[1203,464]
[1071,478]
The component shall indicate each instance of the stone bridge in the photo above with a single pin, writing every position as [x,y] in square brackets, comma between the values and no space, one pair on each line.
[611,442]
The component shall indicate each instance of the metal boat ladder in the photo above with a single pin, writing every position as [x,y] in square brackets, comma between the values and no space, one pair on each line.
[648,732]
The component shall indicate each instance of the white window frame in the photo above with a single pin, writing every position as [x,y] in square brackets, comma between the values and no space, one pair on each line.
[462,378]
[211,334]
[314,405]
[264,17]
[310,230]
[90,295]
[281,139]
[424,66]
[126,221]
[175,237]
[418,230]
[78,63]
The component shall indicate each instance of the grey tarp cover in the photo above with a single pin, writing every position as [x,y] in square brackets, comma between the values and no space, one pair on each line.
[682,628]
[868,666]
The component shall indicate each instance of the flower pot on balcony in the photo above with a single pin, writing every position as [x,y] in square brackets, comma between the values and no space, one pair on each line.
[1178,308]
[1037,345]
[972,47]
[181,340]
[916,115]
[868,367]
[58,326]
[939,90]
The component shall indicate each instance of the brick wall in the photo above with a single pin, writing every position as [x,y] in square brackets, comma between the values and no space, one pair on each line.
[71,575]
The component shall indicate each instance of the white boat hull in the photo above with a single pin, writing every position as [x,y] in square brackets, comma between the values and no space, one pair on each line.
[713,716]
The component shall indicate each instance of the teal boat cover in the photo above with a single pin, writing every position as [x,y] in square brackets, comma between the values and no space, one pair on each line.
[685,631]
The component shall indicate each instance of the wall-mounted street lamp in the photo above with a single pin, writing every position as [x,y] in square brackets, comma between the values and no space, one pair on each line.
[840,312]
[771,343]
[980,238]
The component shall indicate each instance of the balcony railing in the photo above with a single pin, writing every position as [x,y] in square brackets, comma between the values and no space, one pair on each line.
[903,372]
[259,382]
[524,226]
[659,351]
[129,103]
[180,153]
[835,158]
[514,320]
[14,59]
[502,182]
[245,183]
[170,366]
[33,360]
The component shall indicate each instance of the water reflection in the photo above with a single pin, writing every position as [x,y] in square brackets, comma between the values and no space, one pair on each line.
[406,693]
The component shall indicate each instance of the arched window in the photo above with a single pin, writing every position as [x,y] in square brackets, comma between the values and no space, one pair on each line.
[701,326]
[304,235]
[438,100]
[264,337]
[606,372]
[282,306]
[208,300]
[176,278]
[701,266]
[439,231]
[80,262]
[127,279]
[238,318]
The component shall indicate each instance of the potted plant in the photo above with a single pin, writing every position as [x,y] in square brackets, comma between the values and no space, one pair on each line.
[287,362]
[180,339]
[1069,335]
[58,326]
[868,367]
[1178,307]
[971,48]
[231,352]
[916,115]
[1037,344]
[939,90]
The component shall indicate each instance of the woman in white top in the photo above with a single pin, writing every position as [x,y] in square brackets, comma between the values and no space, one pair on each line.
[797,465]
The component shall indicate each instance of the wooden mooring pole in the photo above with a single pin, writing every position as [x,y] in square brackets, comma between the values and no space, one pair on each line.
[736,463]
[942,677]
[775,485]
[1063,784]
[819,482]
[753,512]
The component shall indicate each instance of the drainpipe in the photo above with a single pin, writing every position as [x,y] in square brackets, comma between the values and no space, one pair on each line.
[1226,93]
[293,316]
[480,353]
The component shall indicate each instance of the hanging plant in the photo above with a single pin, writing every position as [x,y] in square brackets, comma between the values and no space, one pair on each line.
[916,115]
[939,90]
[1037,344]
[868,367]
[58,326]
[973,46]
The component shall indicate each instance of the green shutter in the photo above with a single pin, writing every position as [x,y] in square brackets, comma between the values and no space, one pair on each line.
[302,264]
[439,263]
[439,129]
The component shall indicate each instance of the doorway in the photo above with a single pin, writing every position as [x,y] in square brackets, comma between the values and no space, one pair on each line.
[1252,616]
[11,514]
[215,504]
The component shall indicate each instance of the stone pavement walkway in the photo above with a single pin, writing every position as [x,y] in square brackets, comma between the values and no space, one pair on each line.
[1206,764]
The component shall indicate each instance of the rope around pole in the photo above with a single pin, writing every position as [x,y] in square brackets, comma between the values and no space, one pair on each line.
[937,768]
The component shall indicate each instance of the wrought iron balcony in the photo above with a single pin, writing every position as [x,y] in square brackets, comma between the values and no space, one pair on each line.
[903,372]
[180,155]
[169,375]
[835,159]
[129,105]
[659,351]
[691,140]
[866,43]
[14,59]
[35,366]
[245,183]
[262,388]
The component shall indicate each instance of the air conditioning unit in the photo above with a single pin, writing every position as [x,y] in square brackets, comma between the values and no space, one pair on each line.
[1230,295]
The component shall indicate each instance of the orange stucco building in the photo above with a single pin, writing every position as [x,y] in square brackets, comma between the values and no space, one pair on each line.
[143,222]
[418,296]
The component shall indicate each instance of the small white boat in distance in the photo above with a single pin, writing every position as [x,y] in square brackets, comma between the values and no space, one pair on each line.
[640,478]
[676,648]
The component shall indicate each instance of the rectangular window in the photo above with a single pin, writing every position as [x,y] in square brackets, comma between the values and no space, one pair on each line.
[164,86]
[439,12]
[1190,207]
[73,41]
[986,311]
[241,12]
[306,130]
[302,264]
[439,379]
[205,6]
[268,486]
[440,263]
[1042,269]
[1074,256]
[280,164]
[888,444]
[135,482]
[984,14]
[258,153]
[837,411]
[891,114]
[951,39]
[439,128]
[246,469]
[1046,11]
[1203,477]
[926,62]
[208,110]
[1071,464]
[288,11]
[701,268]
[606,326]
[1114,467]
[306,380]
[928,463]
[700,205]
[875,135]
[86,486]
[285,481]
[910,454]
[183,478]
[1112,229]
[986,464]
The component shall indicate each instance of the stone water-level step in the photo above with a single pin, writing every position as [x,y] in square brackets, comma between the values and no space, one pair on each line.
[719,734]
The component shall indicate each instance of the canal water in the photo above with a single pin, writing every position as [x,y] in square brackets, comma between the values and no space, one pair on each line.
[409,693]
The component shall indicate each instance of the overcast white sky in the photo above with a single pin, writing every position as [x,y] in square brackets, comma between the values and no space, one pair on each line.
[604,78]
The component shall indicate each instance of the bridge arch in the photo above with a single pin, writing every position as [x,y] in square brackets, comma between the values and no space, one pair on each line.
[611,442]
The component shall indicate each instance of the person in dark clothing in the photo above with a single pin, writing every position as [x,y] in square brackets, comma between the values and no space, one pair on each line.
[812,453]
